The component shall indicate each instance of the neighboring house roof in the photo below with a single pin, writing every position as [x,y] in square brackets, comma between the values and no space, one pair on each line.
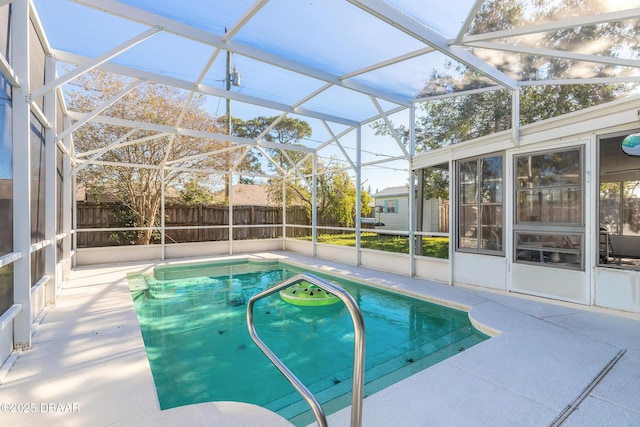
[107,194]
[392,191]
[247,194]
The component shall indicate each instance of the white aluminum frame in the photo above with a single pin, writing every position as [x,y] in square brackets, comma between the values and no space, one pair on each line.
[17,72]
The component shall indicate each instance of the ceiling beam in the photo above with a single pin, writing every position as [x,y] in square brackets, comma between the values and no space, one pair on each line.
[385,160]
[203,89]
[464,92]
[125,143]
[554,53]
[234,166]
[250,13]
[84,163]
[388,62]
[8,72]
[94,63]
[101,108]
[583,81]
[391,129]
[37,25]
[335,139]
[188,132]
[556,25]
[470,17]
[169,25]
[201,155]
[416,29]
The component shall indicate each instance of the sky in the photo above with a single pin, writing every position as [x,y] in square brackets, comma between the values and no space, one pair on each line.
[351,39]
[332,36]
[6,168]
[66,23]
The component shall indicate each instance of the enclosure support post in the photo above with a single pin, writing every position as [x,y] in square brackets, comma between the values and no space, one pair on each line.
[162,214]
[21,173]
[51,207]
[314,209]
[515,116]
[453,231]
[412,192]
[67,204]
[419,208]
[230,213]
[74,206]
[284,214]
[358,192]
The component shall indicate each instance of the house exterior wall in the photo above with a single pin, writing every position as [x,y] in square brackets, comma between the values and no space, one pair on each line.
[593,284]
[397,220]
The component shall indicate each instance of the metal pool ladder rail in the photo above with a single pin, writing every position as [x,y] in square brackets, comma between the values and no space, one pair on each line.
[358,351]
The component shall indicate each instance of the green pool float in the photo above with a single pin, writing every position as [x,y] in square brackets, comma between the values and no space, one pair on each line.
[308,295]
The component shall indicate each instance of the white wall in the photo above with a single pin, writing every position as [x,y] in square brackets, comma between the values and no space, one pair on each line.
[344,254]
[385,261]
[480,270]
[432,269]
[607,287]
[299,246]
[619,289]
[557,283]
[116,254]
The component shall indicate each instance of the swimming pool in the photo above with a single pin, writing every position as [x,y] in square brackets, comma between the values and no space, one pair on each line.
[193,321]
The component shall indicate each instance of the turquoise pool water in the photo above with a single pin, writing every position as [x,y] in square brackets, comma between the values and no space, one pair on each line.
[193,322]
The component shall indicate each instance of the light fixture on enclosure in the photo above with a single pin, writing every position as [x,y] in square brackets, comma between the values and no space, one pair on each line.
[631,144]
[235,77]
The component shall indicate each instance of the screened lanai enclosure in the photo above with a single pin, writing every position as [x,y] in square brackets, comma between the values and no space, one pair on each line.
[156,130]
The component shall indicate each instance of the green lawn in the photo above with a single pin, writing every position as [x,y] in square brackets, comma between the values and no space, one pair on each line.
[437,247]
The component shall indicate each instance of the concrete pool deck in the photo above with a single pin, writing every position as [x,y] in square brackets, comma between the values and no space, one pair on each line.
[552,363]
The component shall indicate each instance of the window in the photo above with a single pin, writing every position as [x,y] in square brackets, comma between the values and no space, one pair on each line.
[549,225]
[432,211]
[549,188]
[37,198]
[6,193]
[6,174]
[619,221]
[391,206]
[555,249]
[480,214]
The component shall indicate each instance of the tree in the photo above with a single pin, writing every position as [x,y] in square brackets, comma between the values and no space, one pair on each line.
[436,183]
[451,120]
[136,186]
[193,193]
[287,131]
[336,192]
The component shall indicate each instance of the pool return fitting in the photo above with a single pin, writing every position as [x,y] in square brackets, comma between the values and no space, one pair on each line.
[358,342]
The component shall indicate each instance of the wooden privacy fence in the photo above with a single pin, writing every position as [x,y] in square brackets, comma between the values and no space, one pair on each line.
[202,223]
[443,217]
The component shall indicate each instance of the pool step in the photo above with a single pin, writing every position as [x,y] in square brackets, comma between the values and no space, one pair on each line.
[334,389]
[391,358]
[393,372]
[138,285]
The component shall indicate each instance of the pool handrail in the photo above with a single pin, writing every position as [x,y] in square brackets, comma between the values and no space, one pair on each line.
[358,352]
